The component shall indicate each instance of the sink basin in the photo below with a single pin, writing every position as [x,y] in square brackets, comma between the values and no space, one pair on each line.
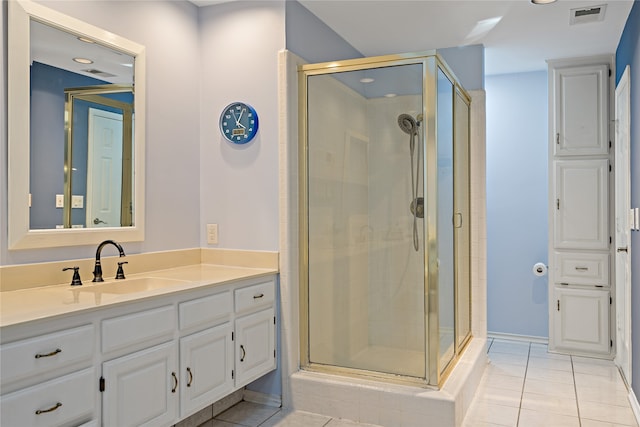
[128,286]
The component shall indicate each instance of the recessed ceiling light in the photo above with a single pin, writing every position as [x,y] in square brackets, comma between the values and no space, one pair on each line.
[86,40]
[542,1]
[83,60]
[367,80]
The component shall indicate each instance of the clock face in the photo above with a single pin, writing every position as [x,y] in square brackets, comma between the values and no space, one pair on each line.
[239,123]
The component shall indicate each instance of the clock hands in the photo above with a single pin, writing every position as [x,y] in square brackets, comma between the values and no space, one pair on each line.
[237,119]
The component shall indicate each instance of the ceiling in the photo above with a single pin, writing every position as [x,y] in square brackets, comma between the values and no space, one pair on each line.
[518,35]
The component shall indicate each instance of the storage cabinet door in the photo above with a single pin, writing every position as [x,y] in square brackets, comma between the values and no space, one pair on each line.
[255,346]
[206,362]
[581,204]
[141,389]
[581,320]
[581,112]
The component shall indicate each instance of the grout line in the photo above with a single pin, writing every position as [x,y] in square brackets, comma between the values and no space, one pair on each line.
[524,381]
[575,390]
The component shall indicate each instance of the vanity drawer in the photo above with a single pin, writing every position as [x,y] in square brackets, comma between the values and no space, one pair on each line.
[582,268]
[205,311]
[67,400]
[47,354]
[255,296]
[138,330]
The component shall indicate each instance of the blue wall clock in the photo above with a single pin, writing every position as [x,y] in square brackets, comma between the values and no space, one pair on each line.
[239,122]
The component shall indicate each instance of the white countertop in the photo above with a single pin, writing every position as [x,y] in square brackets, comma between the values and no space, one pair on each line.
[37,303]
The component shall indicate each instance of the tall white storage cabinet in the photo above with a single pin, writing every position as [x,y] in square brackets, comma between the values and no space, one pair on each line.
[580,209]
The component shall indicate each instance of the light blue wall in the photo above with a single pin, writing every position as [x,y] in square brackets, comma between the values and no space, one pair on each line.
[517,203]
[628,53]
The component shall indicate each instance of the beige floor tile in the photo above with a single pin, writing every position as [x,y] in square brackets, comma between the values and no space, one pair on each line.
[506,369]
[549,363]
[609,395]
[590,380]
[550,375]
[508,358]
[218,423]
[248,414]
[492,414]
[508,382]
[593,423]
[552,404]
[549,388]
[511,347]
[499,396]
[609,413]
[296,419]
[530,418]
[346,423]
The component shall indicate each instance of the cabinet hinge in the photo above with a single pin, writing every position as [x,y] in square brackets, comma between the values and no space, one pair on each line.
[609,168]
[610,144]
[233,337]
[233,374]
[558,204]
[101,384]
[564,284]
[558,305]
[274,320]
[610,300]
[609,72]
[610,240]
[611,343]
[557,138]
[274,354]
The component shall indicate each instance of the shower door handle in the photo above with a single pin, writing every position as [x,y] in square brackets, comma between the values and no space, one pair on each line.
[457,220]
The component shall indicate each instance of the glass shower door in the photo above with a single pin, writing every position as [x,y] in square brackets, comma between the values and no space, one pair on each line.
[366,299]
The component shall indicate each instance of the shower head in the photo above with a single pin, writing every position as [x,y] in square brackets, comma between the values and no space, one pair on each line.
[408,124]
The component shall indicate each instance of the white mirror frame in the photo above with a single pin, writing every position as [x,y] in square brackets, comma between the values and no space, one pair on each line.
[19,235]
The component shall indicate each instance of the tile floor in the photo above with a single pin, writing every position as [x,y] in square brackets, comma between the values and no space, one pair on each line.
[523,386]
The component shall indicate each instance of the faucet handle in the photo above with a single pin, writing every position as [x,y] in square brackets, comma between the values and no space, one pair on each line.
[120,272]
[75,281]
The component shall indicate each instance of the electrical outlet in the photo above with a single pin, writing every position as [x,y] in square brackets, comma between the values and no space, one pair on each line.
[59,200]
[212,234]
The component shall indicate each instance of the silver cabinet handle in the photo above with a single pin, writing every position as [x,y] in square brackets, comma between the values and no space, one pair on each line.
[53,408]
[53,353]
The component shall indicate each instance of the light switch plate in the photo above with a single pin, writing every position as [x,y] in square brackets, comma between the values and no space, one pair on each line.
[59,200]
[77,202]
[636,215]
[212,234]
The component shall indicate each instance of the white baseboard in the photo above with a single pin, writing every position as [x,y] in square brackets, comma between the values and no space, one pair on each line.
[516,337]
[635,406]
[274,400]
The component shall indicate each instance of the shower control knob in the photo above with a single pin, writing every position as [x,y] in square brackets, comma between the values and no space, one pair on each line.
[417,207]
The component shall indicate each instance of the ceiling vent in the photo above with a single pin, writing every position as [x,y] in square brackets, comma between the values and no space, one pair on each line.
[584,15]
[98,73]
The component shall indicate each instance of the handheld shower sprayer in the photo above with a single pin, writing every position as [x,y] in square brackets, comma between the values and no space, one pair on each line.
[411,126]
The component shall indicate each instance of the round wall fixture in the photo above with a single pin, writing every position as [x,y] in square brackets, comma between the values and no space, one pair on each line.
[239,122]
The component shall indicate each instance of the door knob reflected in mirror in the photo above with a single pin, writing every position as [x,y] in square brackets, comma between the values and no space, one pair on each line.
[97,221]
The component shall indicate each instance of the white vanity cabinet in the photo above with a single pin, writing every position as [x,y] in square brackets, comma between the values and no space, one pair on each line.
[148,362]
[48,380]
[141,389]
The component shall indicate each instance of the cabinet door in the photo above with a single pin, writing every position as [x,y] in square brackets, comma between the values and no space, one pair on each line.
[581,321]
[255,346]
[206,363]
[141,389]
[581,204]
[581,112]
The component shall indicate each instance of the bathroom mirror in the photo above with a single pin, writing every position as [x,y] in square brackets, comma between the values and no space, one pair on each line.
[59,108]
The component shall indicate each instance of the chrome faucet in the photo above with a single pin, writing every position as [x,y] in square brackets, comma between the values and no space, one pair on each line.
[97,270]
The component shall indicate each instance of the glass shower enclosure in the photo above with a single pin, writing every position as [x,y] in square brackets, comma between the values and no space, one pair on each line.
[384,218]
